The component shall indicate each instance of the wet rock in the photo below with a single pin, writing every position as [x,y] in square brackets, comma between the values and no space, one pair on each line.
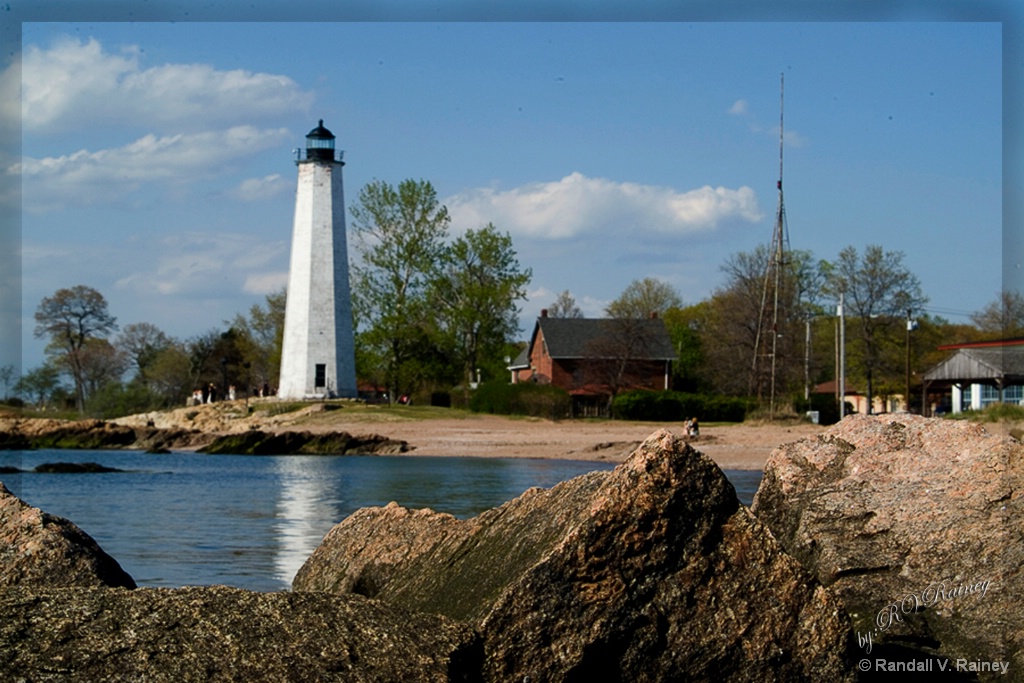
[156,440]
[652,572]
[73,468]
[372,545]
[41,550]
[225,634]
[85,434]
[256,442]
[916,525]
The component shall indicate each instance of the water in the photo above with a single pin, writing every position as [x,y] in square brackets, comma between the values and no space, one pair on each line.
[251,521]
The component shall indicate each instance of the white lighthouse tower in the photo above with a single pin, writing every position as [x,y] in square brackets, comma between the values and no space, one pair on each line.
[318,354]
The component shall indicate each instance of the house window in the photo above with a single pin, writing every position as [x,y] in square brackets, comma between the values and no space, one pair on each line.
[990,394]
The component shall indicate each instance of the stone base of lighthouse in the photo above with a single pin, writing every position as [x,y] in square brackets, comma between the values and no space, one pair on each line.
[318,353]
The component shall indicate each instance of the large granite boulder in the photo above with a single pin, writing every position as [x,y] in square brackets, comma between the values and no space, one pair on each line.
[916,525]
[41,550]
[652,572]
[225,634]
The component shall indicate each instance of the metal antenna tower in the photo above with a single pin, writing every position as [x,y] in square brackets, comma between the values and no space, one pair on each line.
[770,317]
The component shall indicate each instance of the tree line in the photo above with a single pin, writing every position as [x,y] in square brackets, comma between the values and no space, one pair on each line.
[435,313]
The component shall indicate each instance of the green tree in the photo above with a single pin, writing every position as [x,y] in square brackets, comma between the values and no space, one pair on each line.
[170,374]
[102,365]
[38,384]
[71,318]
[141,343]
[685,325]
[644,298]
[879,291]
[400,237]
[261,335]
[476,294]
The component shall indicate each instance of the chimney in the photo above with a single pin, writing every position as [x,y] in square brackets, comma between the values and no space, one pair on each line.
[543,312]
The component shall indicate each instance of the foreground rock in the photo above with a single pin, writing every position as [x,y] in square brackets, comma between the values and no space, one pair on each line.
[225,634]
[652,572]
[917,525]
[40,550]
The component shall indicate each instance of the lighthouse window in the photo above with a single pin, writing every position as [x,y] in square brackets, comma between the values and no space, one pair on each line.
[321,375]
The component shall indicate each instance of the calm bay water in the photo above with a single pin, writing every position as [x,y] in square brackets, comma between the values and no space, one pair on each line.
[251,521]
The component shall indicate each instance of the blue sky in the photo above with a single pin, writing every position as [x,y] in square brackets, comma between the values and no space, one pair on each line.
[157,160]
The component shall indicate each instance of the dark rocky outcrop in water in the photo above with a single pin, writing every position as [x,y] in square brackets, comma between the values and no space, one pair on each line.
[85,434]
[40,550]
[256,442]
[225,634]
[652,572]
[31,434]
[917,525]
[73,468]
[97,434]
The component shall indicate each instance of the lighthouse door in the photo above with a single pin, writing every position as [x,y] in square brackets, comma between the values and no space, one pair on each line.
[321,376]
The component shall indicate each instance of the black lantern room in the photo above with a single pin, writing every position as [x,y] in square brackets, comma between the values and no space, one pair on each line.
[320,143]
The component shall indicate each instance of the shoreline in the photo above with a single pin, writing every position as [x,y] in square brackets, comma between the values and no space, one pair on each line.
[440,433]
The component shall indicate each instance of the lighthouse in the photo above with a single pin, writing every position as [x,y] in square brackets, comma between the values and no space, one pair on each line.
[318,352]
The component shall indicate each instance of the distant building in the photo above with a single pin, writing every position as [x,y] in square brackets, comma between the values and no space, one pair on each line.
[595,358]
[318,352]
[977,375]
[858,400]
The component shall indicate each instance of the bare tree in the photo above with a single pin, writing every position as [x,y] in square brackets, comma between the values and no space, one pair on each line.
[564,306]
[6,376]
[625,354]
[71,318]
[879,292]
[1003,317]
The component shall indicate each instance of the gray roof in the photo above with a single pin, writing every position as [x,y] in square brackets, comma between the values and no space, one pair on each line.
[581,337]
[1005,363]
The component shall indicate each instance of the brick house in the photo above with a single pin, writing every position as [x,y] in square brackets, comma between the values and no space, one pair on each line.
[596,358]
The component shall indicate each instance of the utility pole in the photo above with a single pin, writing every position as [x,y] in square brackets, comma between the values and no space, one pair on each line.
[774,279]
[842,359]
[910,327]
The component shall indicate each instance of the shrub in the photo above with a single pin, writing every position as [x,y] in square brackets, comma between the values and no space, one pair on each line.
[535,400]
[825,404]
[673,406]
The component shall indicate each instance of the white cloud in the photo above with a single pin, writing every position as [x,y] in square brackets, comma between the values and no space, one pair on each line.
[578,205]
[86,177]
[75,84]
[265,283]
[195,263]
[794,139]
[739,107]
[258,189]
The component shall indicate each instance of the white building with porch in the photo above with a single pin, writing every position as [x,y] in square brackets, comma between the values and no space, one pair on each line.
[979,374]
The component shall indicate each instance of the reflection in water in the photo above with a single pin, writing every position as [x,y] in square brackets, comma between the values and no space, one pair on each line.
[303,512]
[251,521]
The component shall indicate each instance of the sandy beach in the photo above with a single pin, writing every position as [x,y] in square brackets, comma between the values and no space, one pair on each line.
[732,446]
